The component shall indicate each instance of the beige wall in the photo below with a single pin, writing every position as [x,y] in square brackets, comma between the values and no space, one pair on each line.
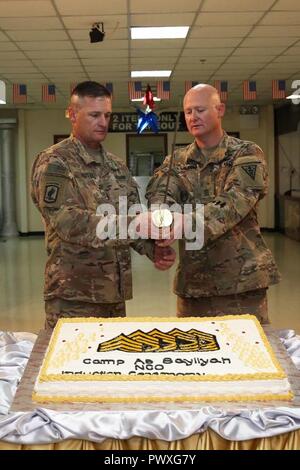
[36,129]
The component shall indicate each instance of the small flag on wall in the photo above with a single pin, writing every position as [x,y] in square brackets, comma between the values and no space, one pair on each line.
[249,90]
[48,93]
[278,89]
[135,90]
[222,87]
[19,93]
[188,85]
[163,90]
[110,87]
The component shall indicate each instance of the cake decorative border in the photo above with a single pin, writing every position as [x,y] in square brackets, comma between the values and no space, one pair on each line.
[183,398]
[44,377]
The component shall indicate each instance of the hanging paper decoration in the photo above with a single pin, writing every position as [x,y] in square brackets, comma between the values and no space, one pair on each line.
[147,118]
[148,98]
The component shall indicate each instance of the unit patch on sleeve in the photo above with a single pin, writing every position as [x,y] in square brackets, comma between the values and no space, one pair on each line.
[51,193]
[250,170]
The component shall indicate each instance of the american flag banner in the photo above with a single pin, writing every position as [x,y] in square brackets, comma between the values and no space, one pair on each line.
[135,90]
[163,90]
[249,90]
[222,87]
[188,85]
[19,93]
[110,87]
[48,93]
[278,89]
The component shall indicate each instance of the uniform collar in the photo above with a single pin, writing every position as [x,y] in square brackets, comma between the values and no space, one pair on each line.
[211,155]
[83,153]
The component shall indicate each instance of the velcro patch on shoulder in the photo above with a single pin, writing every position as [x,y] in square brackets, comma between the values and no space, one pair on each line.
[55,168]
[247,160]
[51,193]
[53,189]
[250,169]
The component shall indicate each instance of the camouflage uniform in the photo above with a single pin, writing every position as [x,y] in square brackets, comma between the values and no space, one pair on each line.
[234,263]
[68,184]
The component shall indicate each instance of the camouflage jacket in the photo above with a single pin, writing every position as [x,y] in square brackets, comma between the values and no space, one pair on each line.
[229,180]
[67,187]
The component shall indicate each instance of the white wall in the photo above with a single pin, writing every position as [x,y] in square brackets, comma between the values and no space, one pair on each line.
[37,128]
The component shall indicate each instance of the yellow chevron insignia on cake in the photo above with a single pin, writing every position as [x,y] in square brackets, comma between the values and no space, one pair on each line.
[158,341]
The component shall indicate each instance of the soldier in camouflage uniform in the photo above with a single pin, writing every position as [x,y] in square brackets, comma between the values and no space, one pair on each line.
[232,271]
[84,275]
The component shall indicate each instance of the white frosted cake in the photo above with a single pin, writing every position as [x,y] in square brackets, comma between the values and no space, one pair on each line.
[160,359]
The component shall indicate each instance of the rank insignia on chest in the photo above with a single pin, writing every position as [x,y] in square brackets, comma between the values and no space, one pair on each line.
[51,193]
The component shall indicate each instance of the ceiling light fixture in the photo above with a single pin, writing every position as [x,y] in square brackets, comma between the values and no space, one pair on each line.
[97,34]
[165,32]
[150,73]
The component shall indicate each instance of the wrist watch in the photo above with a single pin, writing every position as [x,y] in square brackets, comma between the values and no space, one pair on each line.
[162,218]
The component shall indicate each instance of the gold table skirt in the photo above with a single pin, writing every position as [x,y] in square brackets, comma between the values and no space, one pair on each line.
[208,440]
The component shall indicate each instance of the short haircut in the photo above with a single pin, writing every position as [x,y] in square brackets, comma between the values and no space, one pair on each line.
[92,89]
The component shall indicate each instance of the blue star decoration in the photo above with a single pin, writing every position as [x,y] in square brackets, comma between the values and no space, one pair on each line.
[147,119]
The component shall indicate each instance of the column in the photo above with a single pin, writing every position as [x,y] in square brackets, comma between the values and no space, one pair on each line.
[8,178]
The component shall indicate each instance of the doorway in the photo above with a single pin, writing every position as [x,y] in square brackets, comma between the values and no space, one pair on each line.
[144,153]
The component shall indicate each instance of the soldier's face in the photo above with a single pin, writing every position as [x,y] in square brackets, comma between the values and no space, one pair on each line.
[90,120]
[202,114]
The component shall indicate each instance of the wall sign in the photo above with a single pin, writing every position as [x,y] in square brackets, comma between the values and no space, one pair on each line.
[127,122]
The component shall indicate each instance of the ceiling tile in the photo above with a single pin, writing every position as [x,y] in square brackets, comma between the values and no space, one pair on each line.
[287,5]
[219,42]
[94,7]
[168,19]
[7,46]
[154,53]
[30,23]
[99,47]
[45,46]
[51,54]
[110,22]
[267,42]
[104,53]
[13,8]
[83,34]
[202,53]
[165,6]
[40,35]
[275,31]
[236,5]
[207,32]
[104,61]
[282,18]
[256,51]
[11,55]
[225,18]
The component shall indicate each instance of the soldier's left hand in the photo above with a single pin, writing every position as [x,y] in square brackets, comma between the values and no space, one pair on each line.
[164,257]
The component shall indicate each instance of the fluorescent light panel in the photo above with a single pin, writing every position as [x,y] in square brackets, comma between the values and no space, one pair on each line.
[165,32]
[150,73]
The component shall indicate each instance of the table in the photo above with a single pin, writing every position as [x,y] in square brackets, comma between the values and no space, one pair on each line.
[165,426]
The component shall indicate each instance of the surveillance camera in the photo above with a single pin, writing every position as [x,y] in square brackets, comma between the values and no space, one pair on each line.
[96,35]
